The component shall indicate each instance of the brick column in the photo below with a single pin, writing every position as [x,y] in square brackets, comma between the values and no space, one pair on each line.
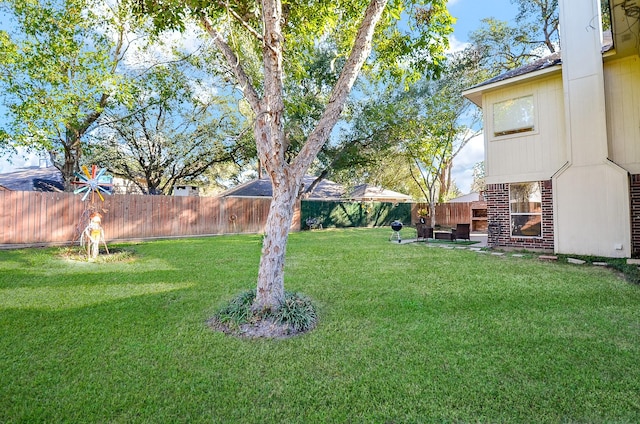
[635,215]
[497,198]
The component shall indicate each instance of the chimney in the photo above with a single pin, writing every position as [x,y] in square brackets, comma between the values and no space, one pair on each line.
[583,81]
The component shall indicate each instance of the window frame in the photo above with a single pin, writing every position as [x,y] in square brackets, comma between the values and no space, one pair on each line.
[513,214]
[516,132]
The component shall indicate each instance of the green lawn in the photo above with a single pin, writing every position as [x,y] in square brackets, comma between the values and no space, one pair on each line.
[407,333]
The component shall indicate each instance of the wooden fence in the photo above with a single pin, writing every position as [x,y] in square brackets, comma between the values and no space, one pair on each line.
[451,214]
[35,218]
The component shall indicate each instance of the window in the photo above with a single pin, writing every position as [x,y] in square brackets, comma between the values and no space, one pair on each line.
[525,206]
[513,116]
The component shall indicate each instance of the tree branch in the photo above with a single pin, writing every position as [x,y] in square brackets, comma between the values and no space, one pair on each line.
[234,63]
[359,54]
[242,22]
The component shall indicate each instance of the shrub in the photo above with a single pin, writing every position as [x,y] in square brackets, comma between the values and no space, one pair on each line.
[238,310]
[297,314]
[297,311]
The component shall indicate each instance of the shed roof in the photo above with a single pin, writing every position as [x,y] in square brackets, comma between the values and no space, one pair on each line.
[474,196]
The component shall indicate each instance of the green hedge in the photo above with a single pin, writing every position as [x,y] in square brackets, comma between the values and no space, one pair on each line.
[354,214]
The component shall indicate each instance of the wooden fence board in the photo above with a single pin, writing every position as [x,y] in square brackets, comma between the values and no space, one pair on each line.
[9,215]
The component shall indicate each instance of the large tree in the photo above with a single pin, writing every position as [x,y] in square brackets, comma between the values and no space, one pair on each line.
[413,136]
[450,121]
[59,63]
[284,34]
[502,46]
[172,131]
[362,151]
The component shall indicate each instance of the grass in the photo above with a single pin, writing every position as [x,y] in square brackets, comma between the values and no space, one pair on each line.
[406,333]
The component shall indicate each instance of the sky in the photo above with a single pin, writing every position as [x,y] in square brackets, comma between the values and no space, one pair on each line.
[468,14]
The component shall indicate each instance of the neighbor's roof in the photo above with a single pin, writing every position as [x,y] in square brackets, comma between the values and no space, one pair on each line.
[33,178]
[369,192]
[325,189]
[474,196]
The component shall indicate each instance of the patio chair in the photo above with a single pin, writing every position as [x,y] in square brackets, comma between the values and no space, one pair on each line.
[424,231]
[461,232]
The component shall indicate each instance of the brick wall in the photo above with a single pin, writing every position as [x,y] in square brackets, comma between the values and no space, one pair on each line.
[635,216]
[497,197]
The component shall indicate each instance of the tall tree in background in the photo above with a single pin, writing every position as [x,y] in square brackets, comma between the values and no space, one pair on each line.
[59,65]
[437,134]
[284,34]
[501,46]
[410,138]
[541,16]
[478,184]
[174,129]
[363,152]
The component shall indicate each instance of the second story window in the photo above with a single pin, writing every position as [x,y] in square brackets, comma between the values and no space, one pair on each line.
[514,116]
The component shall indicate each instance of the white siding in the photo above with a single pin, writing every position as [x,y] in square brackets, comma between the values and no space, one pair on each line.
[622,91]
[592,211]
[529,156]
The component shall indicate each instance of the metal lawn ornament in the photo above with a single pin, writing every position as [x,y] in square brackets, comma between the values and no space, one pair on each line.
[90,182]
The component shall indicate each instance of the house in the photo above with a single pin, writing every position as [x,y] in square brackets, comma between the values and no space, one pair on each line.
[186,190]
[370,193]
[33,178]
[324,190]
[562,140]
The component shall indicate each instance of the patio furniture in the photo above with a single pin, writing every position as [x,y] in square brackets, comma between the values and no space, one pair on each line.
[313,223]
[424,231]
[461,232]
[444,235]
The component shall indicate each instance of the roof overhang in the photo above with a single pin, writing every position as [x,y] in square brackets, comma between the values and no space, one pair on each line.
[474,94]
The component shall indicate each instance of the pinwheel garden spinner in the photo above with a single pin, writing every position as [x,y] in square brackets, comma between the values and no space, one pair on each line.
[93,182]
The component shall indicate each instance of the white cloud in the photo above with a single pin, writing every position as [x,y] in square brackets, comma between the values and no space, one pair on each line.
[456,45]
[141,54]
[22,158]
[462,172]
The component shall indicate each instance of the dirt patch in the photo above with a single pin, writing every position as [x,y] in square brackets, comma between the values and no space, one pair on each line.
[266,328]
[77,253]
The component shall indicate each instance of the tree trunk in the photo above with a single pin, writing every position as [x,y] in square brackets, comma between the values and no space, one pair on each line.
[432,213]
[72,152]
[270,289]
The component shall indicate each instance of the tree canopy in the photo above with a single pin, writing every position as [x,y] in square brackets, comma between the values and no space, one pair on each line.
[172,131]
[59,65]
[407,139]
